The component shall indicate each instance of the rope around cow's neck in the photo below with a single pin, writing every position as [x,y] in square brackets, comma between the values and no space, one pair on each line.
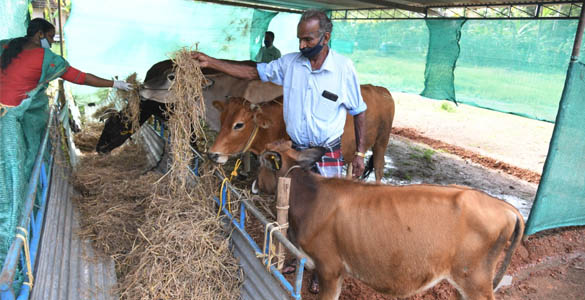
[290,169]
[251,138]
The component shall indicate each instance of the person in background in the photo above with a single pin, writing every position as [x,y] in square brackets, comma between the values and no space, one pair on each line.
[268,53]
[27,62]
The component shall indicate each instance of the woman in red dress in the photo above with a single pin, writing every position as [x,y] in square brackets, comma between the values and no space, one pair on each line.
[21,65]
[27,65]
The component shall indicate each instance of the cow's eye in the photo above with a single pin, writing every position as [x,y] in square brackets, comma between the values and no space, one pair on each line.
[238,126]
[171,77]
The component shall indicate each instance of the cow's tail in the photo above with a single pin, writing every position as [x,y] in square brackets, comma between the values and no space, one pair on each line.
[368,169]
[515,240]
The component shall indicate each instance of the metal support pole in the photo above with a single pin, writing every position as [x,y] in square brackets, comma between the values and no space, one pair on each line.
[579,35]
[61,88]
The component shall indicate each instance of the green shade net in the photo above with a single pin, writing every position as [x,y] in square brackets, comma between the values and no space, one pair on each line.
[516,66]
[112,37]
[443,53]
[14,18]
[21,129]
[390,53]
[560,200]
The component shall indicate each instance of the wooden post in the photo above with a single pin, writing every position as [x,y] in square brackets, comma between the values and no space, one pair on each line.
[282,205]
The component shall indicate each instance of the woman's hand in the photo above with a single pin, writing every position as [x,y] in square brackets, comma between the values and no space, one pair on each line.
[122,85]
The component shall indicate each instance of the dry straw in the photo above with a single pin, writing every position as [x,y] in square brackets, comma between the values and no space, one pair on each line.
[186,117]
[86,140]
[161,230]
[132,98]
[99,113]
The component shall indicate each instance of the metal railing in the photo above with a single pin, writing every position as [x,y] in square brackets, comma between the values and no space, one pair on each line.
[23,250]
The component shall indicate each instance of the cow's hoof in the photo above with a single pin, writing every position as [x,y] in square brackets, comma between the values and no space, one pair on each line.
[254,188]
[314,286]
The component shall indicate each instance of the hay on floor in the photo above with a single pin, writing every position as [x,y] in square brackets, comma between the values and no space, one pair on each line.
[162,230]
[87,139]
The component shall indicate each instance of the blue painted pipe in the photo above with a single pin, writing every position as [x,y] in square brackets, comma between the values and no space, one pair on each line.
[13,255]
[294,292]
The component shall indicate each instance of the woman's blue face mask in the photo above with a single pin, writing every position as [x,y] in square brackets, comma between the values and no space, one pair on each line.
[310,52]
[45,43]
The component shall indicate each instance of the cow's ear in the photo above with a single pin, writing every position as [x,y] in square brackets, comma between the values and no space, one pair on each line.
[219,105]
[307,158]
[261,120]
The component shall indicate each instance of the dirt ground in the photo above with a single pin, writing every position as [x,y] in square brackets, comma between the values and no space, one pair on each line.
[501,154]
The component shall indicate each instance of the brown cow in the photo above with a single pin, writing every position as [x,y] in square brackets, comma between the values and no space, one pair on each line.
[399,240]
[240,120]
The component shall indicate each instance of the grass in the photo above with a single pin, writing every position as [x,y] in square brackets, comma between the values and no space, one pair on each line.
[422,154]
[500,88]
[448,107]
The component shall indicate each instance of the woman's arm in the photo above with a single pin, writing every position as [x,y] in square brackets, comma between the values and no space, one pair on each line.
[93,80]
[96,81]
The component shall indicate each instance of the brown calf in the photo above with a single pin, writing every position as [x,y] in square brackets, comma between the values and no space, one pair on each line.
[399,240]
[249,127]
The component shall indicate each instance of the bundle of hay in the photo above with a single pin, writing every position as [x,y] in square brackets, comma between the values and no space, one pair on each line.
[187,116]
[132,99]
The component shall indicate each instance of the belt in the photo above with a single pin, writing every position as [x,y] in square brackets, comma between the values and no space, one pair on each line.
[333,144]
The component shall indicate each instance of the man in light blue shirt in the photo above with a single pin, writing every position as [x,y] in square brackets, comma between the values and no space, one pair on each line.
[320,87]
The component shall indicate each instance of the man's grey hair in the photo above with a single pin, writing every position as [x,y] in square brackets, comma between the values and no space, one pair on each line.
[325,24]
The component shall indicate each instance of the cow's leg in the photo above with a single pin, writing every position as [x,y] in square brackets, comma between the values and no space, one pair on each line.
[330,287]
[379,150]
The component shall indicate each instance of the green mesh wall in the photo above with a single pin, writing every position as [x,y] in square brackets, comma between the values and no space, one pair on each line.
[516,66]
[14,18]
[441,59]
[560,200]
[136,34]
[391,53]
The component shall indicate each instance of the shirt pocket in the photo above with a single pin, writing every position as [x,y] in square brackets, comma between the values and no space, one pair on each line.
[325,109]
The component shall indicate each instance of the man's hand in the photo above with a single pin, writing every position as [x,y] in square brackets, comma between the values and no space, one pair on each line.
[358,166]
[203,59]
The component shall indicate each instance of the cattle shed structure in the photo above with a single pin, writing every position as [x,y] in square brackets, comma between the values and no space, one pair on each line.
[560,200]
[520,57]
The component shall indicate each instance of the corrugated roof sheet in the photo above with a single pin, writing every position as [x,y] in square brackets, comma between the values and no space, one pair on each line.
[413,5]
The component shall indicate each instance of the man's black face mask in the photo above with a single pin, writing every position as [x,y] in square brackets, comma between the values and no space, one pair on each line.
[310,52]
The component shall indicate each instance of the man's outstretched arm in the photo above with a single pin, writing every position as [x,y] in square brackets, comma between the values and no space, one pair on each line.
[243,71]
